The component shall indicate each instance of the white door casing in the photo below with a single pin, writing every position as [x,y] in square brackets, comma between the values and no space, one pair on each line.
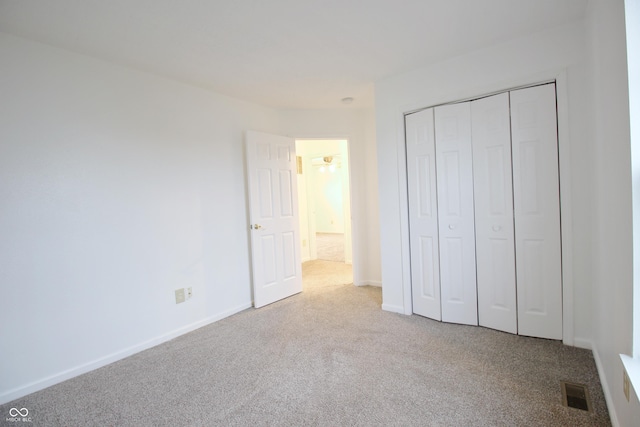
[493,196]
[537,211]
[423,214]
[273,210]
[455,213]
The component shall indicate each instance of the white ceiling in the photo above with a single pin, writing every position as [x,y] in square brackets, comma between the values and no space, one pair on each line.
[281,53]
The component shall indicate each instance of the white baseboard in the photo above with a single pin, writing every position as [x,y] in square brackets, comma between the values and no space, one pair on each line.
[582,343]
[393,308]
[605,387]
[375,283]
[32,387]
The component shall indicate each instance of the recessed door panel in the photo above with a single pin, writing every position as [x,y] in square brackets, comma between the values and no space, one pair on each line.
[502,289]
[495,250]
[286,194]
[498,161]
[427,274]
[265,198]
[449,186]
[284,153]
[537,211]
[263,151]
[452,269]
[269,267]
[529,152]
[456,227]
[424,166]
[289,258]
[532,265]
[423,218]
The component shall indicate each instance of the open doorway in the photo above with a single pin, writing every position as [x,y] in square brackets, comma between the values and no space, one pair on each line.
[324,197]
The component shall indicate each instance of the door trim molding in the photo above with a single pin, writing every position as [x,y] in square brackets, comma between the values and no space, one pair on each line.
[356,256]
[566,223]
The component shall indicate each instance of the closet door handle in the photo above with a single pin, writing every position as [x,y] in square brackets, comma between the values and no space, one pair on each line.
[452,226]
[496,228]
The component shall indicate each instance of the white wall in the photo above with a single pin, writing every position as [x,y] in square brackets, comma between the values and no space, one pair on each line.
[613,258]
[116,187]
[357,126]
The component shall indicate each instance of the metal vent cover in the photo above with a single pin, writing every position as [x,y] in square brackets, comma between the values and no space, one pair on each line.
[575,396]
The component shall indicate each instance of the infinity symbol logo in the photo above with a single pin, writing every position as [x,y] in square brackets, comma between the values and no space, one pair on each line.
[14,412]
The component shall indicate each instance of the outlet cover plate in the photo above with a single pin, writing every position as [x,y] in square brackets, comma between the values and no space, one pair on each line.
[625,383]
[179,295]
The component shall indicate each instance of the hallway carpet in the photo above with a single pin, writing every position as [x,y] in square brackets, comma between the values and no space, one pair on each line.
[330,246]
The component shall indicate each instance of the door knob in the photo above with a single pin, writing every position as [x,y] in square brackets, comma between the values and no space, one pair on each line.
[496,228]
[256,226]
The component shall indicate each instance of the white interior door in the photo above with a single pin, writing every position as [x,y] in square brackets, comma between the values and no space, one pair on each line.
[537,211]
[493,196]
[423,214]
[455,213]
[275,234]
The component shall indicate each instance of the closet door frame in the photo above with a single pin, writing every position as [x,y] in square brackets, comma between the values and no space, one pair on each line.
[559,77]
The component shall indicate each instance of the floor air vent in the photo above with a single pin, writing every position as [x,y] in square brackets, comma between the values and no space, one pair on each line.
[575,396]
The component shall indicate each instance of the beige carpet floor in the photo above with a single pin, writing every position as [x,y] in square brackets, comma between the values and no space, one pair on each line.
[329,356]
[330,246]
[319,274]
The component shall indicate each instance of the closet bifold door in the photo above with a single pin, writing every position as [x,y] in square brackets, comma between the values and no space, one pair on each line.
[493,196]
[423,214]
[455,213]
[537,211]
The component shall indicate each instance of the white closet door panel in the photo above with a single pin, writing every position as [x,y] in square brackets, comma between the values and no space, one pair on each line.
[455,213]
[537,211]
[495,251]
[423,215]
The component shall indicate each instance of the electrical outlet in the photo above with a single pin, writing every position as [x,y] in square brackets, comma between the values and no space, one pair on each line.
[625,384]
[189,292]
[179,295]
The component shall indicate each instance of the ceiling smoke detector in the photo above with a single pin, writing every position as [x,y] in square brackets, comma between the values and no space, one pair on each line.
[347,100]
